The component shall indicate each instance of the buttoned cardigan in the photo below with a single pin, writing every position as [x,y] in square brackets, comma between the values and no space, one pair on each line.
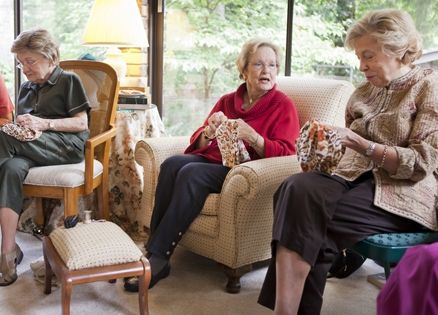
[403,115]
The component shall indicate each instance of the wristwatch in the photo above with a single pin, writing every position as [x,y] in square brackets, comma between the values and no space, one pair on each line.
[369,151]
[51,125]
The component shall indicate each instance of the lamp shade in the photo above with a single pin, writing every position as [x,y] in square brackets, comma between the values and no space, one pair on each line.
[115,23]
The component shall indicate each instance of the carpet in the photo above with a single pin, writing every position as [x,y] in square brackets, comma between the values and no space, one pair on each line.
[194,287]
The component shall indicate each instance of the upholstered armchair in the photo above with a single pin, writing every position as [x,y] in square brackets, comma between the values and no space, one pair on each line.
[234,227]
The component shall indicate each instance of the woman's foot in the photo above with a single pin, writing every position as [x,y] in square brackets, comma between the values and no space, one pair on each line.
[8,266]
[160,269]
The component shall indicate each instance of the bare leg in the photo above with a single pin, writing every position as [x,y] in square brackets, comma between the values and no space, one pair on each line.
[292,272]
[8,223]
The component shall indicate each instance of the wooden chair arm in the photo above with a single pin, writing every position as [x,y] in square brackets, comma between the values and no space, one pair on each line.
[90,154]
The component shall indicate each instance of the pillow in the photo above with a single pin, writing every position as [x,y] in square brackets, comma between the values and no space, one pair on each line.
[318,148]
[93,245]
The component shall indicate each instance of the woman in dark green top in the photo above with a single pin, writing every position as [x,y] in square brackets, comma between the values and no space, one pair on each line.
[53,102]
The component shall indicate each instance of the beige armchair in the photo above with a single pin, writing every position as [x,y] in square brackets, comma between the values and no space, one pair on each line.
[234,227]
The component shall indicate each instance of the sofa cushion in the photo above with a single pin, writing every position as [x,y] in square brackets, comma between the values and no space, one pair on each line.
[64,175]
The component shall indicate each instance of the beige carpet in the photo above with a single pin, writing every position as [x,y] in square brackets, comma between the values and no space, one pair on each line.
[195,286]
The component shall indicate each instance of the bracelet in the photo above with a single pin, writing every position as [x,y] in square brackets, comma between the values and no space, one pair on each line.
[382,161]
[206,137]
[255,142]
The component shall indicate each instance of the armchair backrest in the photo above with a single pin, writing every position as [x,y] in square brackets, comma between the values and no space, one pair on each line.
[322,99]
[101,85]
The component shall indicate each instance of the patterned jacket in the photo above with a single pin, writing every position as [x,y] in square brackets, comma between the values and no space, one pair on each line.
[403,115]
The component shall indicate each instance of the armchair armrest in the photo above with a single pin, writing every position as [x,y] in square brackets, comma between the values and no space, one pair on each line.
[150,153]
[90,152]
[245,208]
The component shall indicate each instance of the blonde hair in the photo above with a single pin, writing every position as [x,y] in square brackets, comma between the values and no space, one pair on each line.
[37,41]
[249,48]
[393,29]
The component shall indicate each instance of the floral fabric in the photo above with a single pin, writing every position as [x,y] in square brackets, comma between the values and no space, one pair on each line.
[232,149]
[20,133]
[318,148]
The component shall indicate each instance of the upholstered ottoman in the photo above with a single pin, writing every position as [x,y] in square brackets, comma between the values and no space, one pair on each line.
[93,252]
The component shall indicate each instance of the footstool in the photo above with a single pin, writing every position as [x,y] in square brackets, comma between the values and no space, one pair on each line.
[93,252]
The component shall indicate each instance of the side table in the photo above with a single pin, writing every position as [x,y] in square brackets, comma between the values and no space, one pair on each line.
[126,176]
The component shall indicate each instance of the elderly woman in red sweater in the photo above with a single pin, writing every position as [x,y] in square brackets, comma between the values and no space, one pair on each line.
[6,107]
[267,126]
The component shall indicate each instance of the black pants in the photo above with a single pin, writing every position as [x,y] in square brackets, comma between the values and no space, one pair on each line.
[317,215]
[184,183]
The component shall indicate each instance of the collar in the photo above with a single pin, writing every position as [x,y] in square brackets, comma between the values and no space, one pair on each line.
[410,78]
[53,79]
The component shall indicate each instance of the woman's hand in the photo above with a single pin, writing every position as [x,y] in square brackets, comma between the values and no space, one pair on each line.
[31,121]
[214,122]
[246,132]
[350,139]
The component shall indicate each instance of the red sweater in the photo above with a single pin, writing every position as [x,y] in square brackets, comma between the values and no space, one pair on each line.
[274,117]
[5,102]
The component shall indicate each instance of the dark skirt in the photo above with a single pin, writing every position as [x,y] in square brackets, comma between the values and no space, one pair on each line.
[316,215]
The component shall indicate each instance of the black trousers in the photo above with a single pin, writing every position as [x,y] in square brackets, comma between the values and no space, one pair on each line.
[183,185]
[316,215]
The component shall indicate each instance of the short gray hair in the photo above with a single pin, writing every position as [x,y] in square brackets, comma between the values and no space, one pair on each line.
[39,41]
[393,29]
[249,48]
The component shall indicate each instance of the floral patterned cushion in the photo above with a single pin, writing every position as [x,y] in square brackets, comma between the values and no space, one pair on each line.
[20,133]
[318,148]
[232,149]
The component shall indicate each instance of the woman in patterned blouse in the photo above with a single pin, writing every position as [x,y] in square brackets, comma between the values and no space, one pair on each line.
[385,182]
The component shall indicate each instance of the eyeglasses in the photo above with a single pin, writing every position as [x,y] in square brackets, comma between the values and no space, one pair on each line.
[29,63]
[261,65]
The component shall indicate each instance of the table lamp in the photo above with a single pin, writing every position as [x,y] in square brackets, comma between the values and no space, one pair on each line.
[115,23]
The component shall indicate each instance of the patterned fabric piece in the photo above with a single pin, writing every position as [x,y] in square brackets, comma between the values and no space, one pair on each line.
[318,148]
[232,149]
[93,245]
[21,133]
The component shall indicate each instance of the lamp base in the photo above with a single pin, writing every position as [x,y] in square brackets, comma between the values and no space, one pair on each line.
[114,58]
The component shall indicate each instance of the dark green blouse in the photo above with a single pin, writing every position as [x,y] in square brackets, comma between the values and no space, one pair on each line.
[61,96]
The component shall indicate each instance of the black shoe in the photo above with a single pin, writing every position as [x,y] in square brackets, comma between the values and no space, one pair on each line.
[345,263]
[131,284]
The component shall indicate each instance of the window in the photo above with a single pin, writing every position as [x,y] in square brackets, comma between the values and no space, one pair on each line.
[6,38]
[202,40]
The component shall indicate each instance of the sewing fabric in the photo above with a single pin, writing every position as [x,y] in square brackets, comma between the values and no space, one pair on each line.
[318,148]
[20,133]
[232,149]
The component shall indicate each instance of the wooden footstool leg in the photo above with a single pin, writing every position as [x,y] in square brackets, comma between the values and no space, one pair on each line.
[143,282]
[65,298]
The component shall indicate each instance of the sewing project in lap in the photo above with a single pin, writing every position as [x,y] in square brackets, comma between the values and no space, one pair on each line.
[232,149]
[20,133]
[318,148]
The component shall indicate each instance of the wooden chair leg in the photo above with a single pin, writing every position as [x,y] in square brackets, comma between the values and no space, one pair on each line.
[39,218]
[103,201]
[66,298]
[70,203]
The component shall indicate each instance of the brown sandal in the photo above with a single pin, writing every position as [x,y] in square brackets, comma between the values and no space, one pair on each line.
[8,266]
